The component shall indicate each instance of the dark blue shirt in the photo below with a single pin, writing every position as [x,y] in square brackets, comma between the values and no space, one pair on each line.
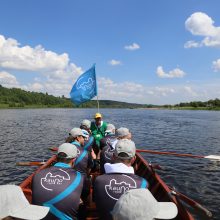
[109,187]
[58,187]
[83,160]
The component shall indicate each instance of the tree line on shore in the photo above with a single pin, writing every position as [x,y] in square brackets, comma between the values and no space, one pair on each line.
[15,98]
[18,98]
[196,104]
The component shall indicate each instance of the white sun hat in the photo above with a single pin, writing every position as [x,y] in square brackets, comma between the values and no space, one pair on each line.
[85,133]
[122,132]
[75,132]
[140,204]
[110,128]
[125,146]
[13,203]
[86,123]
[69,149]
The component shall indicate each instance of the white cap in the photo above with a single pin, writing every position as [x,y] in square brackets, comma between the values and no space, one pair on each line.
[122,132]
[110,128]
[86,123]
[13,203]
[85,133]
[75,132]
[125,146]
[140,204]
[69,149]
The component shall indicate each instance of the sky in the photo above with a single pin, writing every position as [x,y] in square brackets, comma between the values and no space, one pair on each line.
[145,51]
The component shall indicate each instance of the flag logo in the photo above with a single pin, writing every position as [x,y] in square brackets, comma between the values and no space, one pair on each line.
[85,85]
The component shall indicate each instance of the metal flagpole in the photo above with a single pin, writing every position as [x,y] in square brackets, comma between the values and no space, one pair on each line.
[98,102]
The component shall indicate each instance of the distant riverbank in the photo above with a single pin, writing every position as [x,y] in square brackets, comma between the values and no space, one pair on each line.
[196,108]
[18,106]
[15,98]
[185,108]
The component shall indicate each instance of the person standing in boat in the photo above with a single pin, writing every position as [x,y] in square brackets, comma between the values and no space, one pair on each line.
[118,179]
[98,128]
[108,144]
[59,187]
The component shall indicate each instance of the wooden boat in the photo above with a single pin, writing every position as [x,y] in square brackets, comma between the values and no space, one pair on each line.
[158,187]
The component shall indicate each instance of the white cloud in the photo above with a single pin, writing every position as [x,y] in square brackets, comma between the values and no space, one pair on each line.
[57,79]
[114,62]
[191,44]
[189,90]
[175,73]
[13,56]
[163,91]
[8,80]
[133,46]
[126,91]
[132,92]
[38,87]
[54,88]
[216,65]
[169,94]
[55,72]
[69,73]
[138,93]
[200,24]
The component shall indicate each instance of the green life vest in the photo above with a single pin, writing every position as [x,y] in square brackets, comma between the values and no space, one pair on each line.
[98,132]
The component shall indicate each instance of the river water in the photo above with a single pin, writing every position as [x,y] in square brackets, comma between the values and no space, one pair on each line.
[26,134]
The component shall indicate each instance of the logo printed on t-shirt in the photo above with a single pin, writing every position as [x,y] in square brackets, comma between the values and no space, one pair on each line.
[108,142]
[108,153]
[78,152]
[50,181]
[114,190]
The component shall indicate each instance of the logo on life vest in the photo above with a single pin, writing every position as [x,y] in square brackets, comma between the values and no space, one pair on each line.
[114,190]
[50,181]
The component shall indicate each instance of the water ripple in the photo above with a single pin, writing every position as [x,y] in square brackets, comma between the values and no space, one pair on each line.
[26,135]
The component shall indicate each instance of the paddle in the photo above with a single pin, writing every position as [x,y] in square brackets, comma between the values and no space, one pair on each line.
[30,163]
[190,202]
[211,157]
[53,148]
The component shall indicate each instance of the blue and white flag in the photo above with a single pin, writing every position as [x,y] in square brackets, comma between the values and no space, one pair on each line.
[85,87]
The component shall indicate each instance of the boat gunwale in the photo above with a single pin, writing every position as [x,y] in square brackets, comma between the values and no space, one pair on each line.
[182,210]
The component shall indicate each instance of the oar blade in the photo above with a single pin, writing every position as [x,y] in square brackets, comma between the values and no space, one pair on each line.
[53,148]
[30,163]
[210,157]
[213,157]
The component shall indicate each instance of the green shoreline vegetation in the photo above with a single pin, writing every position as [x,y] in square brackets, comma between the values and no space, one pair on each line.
[18,98]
